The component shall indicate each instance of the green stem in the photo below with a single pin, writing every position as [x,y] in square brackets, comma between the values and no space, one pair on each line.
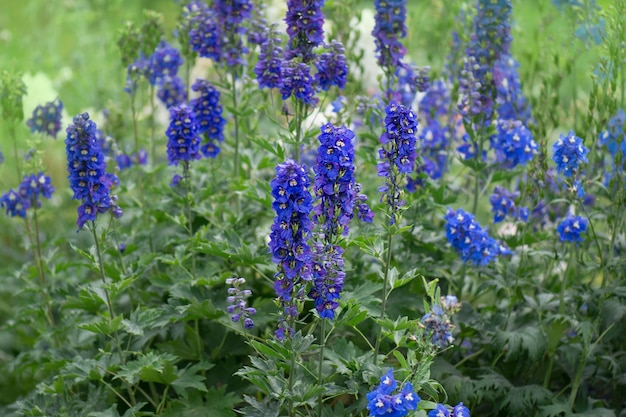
[385,294]
[188,199]
[15,151]
[42,273]
[292,365]
[320,378]
[161,406]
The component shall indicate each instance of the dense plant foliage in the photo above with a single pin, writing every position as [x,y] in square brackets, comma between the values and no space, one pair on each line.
[319,208]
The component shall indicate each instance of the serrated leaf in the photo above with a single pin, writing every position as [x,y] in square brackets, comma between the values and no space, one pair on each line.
[103,326]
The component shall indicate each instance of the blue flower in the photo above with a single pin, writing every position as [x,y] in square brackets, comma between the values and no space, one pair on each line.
[438,327]
[288,239]
[134,72]
[440,411]
[230,15]
[237,304]
[305,22]
[332,68]
[183,142]
[383,401]
[474,244]
[460,410]
[511,102]
[513,144]
[208,111]
[328,278]
[164,61]
[87,171]
[389,28]
[569,153]
[172,91]
[571,228]
[268,67]
[434,140]
[297,81]
[204,33]
[47,118]
[503,204]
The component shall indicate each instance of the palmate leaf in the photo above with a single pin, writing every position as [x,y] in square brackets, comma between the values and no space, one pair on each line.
[525,341]
[522,400]
[150,367]
[217,403]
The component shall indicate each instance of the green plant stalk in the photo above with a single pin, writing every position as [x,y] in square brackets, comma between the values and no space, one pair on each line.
[320,378]
[161,406]
[292,365]
[188,199]
[42,273]
[385,292]
[15,151]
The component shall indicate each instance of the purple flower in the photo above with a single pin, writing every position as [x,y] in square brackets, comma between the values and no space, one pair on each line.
[466,235]
[389,28]
[438,327]
[288,239]
[434,140]
[569,153]
[204,33]
[164,61]
[47,118]
[436,101]
[230,15]
[513,144]
[297,81]
[511,102]
[27,195]
[571,228]
[305,22]
[503,204]
[268,67]
[384,401]
[332,69]
[328,278]
[87,171]
[134,72]
[237,304]
[172,91]
[208,111]
[183,142]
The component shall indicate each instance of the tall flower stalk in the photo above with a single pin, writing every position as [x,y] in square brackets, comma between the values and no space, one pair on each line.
[397,156]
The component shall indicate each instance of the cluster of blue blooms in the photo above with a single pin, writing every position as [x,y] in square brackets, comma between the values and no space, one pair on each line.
[47,118]
[27,195]
[172,91]
[389,28]
[288,239]
[438,327]
[328,278]
[237,304]
[297,81]
[183,141]
[571,228]
[125,161]
[511,102]
[503,204]
[397,153]
[513,144]
[473,242]
[614,138]
[569,154]
[305,21]
[87,171]
[457,411]
[208,112]
[332,69]
[384,400]
[268,67]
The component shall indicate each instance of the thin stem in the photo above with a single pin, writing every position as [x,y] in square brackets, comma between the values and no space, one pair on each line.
[291,373]
[159,409]
[42,273]
[15,152]
[384,303]
[320,378]
[188,199]
[101,268]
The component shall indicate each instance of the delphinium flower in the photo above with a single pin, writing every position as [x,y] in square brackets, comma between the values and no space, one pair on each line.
[328,278]
[614,138]
[434,140]
[513,144]
[569,153]
[442,411]
[571,228]
[474,244]
[87,171]
[305,22]
[134,72]
[389,28]
[268,67]
[503,204]
[230,15]
[204,31]
[164,61]
[332,68]
[172,91]
[208,112]
[297,81]
[237,304]
[384,400]
[288,240]
[510,100]
[28,194]
[183,143]
[398,153]
[125,161]
[438,327]
[47,118]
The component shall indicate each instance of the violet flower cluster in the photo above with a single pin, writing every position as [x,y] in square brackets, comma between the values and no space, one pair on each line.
[328,278]
[503,204]
[385,400]
[288,240]
[305,22]
[172,91]
[268,67]
[510,100]
[47,118]
[27,195]
[208,112]
[183,143]
[297,80]
[569,154]
[87,171]
[458,410]
[389,28]
[398,153]
[614,138]
[332,68]
[468,238]
[513,144]
[237,304]
[436,322]
[571,228]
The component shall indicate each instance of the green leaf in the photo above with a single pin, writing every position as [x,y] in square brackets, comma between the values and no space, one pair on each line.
[103,326]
